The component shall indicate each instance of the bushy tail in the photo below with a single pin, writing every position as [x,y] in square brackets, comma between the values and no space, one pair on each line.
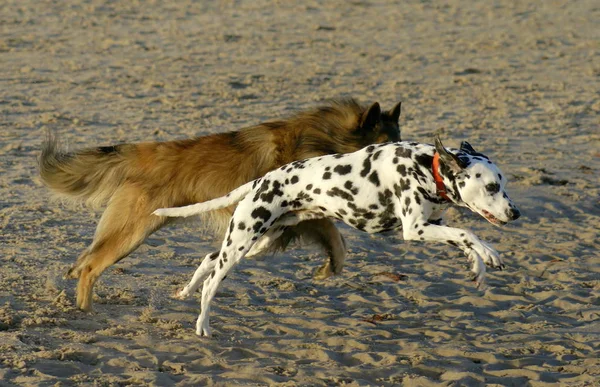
[194,209]
[91,174]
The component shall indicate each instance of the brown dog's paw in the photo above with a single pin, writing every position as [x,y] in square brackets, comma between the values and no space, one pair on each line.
[72,273]
[323,272]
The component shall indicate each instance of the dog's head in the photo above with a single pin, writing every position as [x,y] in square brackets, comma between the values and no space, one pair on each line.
[477,183]
[377,126]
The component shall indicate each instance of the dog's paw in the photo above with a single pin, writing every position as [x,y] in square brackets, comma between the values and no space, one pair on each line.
[72,273]
[202,328]
[323,272]
[490,256]
[477,268]
[181,294]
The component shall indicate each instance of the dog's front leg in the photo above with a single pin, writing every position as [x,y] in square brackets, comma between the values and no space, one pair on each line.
[479,253]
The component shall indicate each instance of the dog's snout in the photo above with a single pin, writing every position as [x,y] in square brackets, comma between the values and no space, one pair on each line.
[513,213]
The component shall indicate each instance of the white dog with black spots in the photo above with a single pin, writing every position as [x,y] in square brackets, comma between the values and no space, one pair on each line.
[394,186]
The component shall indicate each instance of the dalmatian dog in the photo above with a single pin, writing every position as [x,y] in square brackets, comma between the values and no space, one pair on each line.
[403,186]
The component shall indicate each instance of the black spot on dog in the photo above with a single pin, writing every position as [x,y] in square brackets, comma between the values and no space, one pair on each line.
[478,175]
[343,212]
[303,196]
[376,155]
[492,188]
[452,243]
[343,169]
[421,232]
[214,256]
[424,160]
[401,169]
[461,184]
[242,226]
[284,203]
[262,213]
[417,197]
[327,176]
[269,196]
[257,226]
[369,215]
[350,187]
[366,168]
[317,191]
[361,224]
[335,191]
[225,256]
[403,152]
[404,185]
[374,178]
[437,222]
[309,187]
[407,201]
[373,206]
[370,148]
[395,160]
[294,179]
[241,248]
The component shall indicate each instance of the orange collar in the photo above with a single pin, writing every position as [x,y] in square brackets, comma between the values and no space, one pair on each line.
[439,182]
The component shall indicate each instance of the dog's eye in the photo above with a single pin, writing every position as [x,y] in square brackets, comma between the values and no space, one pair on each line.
[492,188]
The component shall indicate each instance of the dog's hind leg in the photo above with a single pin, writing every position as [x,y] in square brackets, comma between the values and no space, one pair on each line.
[127,221]
[209,262]
[205,268]
[236,246]
[324,233]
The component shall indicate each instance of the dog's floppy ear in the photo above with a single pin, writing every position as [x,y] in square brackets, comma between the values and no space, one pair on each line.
[395,112]
[450,160]
[371,118]
[466,147]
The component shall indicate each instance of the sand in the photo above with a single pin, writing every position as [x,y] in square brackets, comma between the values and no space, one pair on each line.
[519,80]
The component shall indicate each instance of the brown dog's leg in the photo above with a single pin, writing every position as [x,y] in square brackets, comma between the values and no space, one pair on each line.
[127,221]
[324,233]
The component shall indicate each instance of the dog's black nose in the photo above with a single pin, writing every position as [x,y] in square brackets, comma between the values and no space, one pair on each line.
[513,213]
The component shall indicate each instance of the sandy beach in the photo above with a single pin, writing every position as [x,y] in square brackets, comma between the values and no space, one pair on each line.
[519,80]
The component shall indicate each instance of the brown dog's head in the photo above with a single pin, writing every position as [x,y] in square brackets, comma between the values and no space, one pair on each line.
[378,126]
[342,126]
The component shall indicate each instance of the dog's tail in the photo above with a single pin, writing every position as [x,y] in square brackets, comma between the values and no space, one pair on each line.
[194,209]
[92,174]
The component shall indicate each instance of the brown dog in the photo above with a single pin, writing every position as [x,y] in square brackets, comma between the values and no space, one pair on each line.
[136,179]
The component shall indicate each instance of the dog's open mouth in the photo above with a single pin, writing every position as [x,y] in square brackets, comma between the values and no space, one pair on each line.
[492,219]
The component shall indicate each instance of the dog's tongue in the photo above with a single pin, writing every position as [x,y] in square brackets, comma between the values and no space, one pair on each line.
[492,219]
